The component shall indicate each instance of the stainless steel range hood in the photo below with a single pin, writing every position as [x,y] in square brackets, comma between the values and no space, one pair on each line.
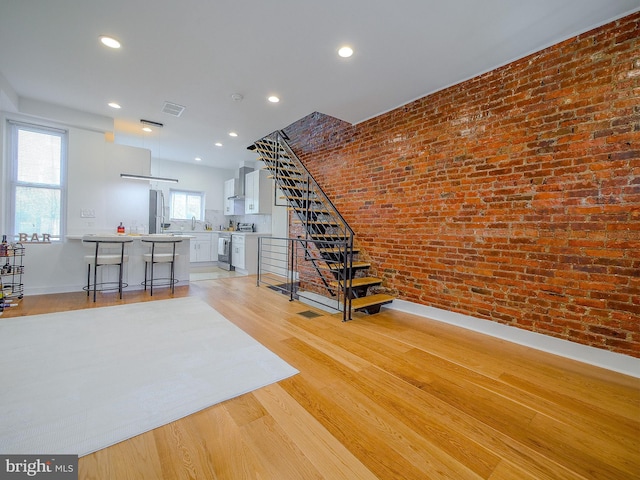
[238,190]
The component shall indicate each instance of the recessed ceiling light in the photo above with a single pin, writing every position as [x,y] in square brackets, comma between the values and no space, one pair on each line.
[114,105]
[198,159]
[146,129]
[345,52]
[109,42]
[273,99]
[218,144]
[233,134]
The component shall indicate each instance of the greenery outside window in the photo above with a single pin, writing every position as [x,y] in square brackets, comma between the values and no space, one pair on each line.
[185,205]
[37,181]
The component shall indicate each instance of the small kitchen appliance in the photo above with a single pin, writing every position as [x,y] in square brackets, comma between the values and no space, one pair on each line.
[246,227]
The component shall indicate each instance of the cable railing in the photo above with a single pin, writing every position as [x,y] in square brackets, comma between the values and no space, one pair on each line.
[291,266]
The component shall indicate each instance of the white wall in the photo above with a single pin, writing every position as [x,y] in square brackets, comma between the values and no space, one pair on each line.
[93,178]
[190,177]
[209,180]
[94,184]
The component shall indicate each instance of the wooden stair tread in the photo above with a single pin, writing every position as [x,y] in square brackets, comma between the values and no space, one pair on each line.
[269,149]
[304,199]
[338,250]
[331,223]
[282,166]
[370,300]
[296,187]
[311,209]
[332,237]
[359,282]
[340,266]
[285,174]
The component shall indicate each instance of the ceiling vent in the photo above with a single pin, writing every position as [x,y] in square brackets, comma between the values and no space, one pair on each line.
[172,109]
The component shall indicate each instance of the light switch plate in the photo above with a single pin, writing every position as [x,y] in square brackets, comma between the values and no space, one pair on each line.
[87,213]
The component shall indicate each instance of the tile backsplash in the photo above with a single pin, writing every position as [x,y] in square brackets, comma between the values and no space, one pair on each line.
[217,219]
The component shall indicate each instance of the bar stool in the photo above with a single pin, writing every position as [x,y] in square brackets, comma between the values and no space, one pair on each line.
[102,257]
[160,254]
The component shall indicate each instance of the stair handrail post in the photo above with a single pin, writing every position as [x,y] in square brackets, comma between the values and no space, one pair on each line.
[259,255]
[345,282]
[349,252]
[293,269]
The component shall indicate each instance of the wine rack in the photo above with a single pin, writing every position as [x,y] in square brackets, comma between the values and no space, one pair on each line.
[11,271]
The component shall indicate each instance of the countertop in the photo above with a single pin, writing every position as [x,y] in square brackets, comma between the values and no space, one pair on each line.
[179,233]
[233,232]
[134,236]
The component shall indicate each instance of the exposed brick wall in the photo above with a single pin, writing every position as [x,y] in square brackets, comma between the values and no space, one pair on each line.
[514,196]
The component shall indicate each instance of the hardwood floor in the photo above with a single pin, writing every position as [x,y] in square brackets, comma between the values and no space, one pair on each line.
[389,396]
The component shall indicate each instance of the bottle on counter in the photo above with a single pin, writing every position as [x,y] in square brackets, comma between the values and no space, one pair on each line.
[3,246]
[120,228]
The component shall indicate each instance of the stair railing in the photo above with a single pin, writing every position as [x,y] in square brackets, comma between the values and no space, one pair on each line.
[278,156]
[278,268]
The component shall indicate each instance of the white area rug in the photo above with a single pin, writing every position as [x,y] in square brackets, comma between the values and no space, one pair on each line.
[79,381]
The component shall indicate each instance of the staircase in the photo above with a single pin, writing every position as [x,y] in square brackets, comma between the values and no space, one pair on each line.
[330,238]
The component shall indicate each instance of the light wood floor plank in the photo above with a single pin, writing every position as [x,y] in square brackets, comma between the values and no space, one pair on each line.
[328,455]
[387,396]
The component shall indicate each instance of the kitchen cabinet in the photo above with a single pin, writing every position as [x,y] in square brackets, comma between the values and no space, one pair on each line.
[232,206]
[245,252]
[258,190]
[238,258]
[201,248]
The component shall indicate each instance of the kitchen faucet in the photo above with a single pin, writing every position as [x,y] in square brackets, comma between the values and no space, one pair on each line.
[193,223]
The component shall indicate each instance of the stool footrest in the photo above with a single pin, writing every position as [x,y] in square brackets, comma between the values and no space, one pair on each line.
[104,286]
[164,282]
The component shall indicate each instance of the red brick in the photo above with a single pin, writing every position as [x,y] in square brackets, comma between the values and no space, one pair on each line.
[513,196]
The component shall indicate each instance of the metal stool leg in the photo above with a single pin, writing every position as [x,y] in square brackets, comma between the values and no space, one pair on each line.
[173,260]
[153,253]
[121,268]
[95,273]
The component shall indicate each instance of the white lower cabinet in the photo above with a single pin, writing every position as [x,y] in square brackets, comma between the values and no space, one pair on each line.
[245,252]
[238,258]
[202,248]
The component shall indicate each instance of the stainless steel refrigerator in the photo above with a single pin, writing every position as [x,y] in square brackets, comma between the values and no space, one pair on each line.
[156,211]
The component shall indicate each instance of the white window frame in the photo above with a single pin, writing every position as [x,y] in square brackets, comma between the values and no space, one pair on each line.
[194,193]
[13,127]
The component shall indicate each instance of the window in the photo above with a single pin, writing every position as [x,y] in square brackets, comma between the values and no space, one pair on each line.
[185,205]
[37,180]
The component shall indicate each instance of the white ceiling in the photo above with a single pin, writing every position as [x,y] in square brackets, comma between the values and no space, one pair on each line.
[197,53]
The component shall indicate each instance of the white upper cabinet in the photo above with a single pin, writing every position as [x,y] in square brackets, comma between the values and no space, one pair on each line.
[258,190]
[232,206]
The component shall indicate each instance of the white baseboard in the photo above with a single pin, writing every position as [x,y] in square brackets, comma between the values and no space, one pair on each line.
[617,362]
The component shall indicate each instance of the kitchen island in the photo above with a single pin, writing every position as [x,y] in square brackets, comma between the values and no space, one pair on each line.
[60,267]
